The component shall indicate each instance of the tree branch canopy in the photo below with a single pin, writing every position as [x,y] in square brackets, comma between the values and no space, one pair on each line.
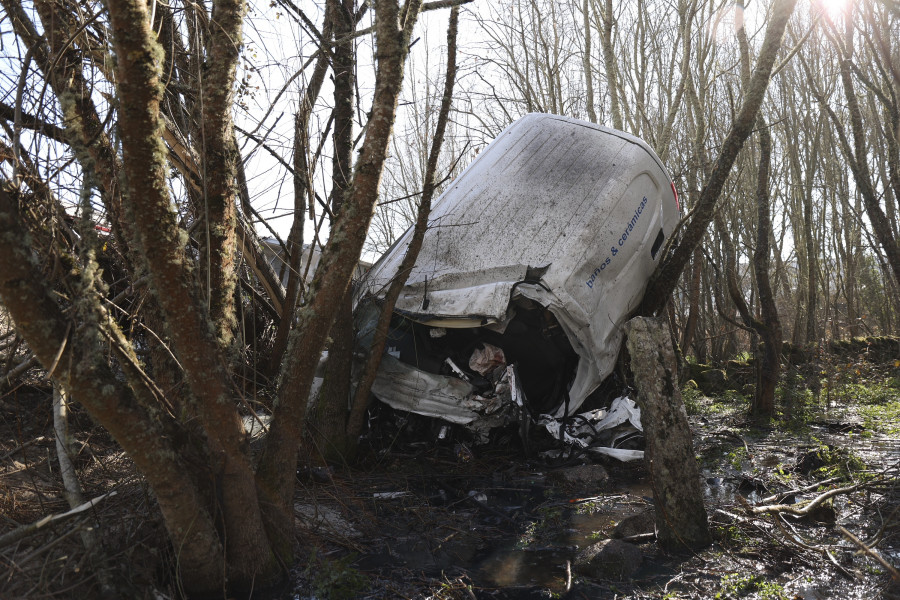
[664,280]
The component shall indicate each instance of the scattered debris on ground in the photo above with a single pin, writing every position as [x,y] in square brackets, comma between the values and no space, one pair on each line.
[807,507]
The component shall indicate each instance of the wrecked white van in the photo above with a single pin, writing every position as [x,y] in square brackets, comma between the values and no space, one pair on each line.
[533,258]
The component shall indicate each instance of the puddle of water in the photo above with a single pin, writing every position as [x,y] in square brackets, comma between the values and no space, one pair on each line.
[586,529]
[723,490]
[543,562]
[536,555]
[824,586]
[420,554]
[544,568]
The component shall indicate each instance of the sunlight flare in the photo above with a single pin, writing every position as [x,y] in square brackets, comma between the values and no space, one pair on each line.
[834,9]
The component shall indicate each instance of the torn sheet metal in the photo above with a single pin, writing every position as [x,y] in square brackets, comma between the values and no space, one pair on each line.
[405,387]
[448,397]
[598,431]
[540,248]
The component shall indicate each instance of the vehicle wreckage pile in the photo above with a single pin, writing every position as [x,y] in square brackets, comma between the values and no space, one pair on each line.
[534,257]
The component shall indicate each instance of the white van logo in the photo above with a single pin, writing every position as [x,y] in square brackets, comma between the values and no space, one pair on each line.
[622,239]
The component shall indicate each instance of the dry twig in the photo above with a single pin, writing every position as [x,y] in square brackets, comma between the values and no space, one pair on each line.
[11,537]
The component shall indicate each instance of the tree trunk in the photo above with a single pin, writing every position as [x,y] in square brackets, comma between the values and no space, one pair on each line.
[690,327]
[329,420]
[674,475]
[859,163]
[302,188]
[587,64]
[769,367]
[609,60]
[94,385]
[812,264]
[669,268]
[248,554]
[373,358]
[218,261]
[277,465]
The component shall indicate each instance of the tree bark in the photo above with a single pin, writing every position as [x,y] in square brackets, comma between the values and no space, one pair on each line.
[220,168]
[769,367]
[609,60]
[61,66]
[681,518]
[90,380]
[249,556]
[690,327]
[769,328]
[587,64]
[329,419]
[277,464]
[374,354]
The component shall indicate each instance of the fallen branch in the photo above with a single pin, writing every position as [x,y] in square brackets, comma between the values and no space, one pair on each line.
[793,536]
[807,508]
[24,531]
[802,490]
[872,553]
[7,379]
[21,447]
[838,566]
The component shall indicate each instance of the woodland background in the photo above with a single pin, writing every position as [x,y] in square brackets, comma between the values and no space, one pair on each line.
[147,147]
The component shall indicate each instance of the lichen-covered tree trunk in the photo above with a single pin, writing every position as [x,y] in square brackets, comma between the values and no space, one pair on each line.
[219,208]
[61,65]
[231,530]
[373,359]
[277,465]
[89,379]
[681,518]
[248,554]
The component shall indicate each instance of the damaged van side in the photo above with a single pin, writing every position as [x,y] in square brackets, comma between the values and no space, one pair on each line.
[533,258]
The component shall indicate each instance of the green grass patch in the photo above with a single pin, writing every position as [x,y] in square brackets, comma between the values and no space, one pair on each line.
[883,418]
[872,393]
[696,403]
[737,585]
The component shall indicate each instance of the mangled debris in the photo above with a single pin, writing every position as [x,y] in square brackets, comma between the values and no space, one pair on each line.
[534,257]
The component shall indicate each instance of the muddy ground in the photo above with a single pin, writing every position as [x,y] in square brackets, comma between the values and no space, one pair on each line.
[427,518]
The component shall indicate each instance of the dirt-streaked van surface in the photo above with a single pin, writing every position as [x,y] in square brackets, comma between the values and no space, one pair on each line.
[533,258]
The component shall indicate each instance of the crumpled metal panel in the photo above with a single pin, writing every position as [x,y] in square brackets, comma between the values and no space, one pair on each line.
[405,387]
[579,203]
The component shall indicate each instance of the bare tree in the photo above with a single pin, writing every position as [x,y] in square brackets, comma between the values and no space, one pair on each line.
[172,105]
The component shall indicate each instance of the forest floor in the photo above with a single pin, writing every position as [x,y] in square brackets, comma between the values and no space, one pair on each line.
[447,520]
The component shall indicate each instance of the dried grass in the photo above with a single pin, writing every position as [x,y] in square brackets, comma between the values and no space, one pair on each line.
[131,559]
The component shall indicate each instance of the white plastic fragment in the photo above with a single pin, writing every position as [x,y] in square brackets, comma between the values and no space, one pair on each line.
[389,495]
[583,430]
